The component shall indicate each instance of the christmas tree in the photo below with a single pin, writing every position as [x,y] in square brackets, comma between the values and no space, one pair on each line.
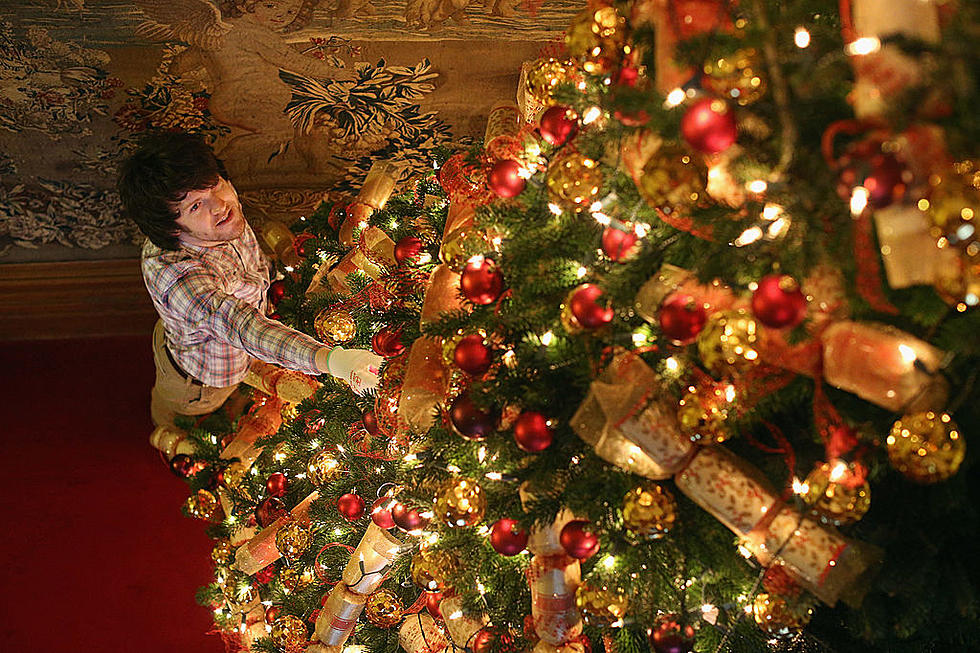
[675,359]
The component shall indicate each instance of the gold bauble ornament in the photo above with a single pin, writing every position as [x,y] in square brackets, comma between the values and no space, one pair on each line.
[567,318]
[322,467]
[837,494]
[289,633]
[543,77]
[292,539]
[959,282]
[288,412]
[461,244]
[238,589]
[727,342]
[597,38]
[779,617]
[461,502]
[233,475]
[223,553]
[294,580]
[383,609]
[673,178]
[737,76]
[449,349]
[203,505]
[954,205]
[573,180]
[430,569]
[334,327]
[601,605]
[703,412]
[649,511]
[926,447]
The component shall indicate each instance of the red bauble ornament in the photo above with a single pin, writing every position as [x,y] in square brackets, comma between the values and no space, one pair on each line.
[299,244]
[472,355]
[709,126]
[272,613]
[507,538]
[470,421]
[408,519]
[407,249]
[578,540]
[668,635]
[532,433]
[586,308]
[351,506]
[276,484]
[432,601]
[370,422]
[481,281]
[387,342]
[886,181]
[269,511]
[493,639]
[381,512]
[277,290]
[778,301]
[681,318]
[266,574]
[618,244]
[182,465]
[558,124]
[504,178]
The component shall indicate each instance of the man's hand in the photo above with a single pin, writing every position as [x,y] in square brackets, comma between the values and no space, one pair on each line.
[358,367]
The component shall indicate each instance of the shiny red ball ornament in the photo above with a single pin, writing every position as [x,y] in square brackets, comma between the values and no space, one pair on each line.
[886,182]
[778,301]
[669,635]
[276,291]
[558,124]
[432,601]
[272,613]
[578,540]
[387,342]
[381,512]
[299,244]
[266,574]
[350,506]
[586,308]
[472,355]
[269,511]
[471,421]
[182,465]
[504,178]
[276,484]
[681,318]
[507,538]
[408,519]
[489,639]
[532,433]
[407,249]
[370,421]
[709,126]
[481,281]
[618,244]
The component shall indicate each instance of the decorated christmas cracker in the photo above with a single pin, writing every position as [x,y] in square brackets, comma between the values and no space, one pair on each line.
[501,140]
[909,251]
[420,634]
[171,441]
[530,106]
[253,627]
[261,551]
[883,365]
[462,627]
[375,192]
[290,386]
[278,239]
[339,615]
[239,535]
[264,421]
[553,580]
[575,646]
[371,560]
[424,385]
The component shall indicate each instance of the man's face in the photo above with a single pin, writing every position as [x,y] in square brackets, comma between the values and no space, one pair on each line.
[211,216]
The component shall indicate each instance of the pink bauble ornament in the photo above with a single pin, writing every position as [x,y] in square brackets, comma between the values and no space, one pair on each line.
[709,126]
[558,124]
[504,178]
[778,301]
[681,318]
[532,433]
[507,538]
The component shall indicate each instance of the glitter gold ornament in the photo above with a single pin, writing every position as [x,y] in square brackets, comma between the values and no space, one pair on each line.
[449,349]
[383,609]
[462,243]
[460,502]
[649,511]
[203,505]
[703,412]
[601,605]
[837,493]
[323,467]
[926,447]
[334,327]
[597,38]
[954,205]
[292,539]
[543,77]
[573,180]
[727,343]
[673,178]
[223,553]
[430,569]
[780,617]
[233,475]
[289,633]
[294,580]
[238,589]
[737,77]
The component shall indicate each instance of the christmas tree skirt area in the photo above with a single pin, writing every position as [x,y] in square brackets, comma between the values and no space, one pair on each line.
[98,555]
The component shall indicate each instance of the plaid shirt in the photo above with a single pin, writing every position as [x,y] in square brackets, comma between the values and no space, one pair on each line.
[212,303]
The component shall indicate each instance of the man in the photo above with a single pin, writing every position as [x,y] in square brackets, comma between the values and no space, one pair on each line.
[208,278]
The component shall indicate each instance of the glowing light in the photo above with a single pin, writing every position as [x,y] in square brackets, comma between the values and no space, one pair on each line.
[289,268]
[641,229]
[591,115]
[729,393]
[609,562]
[864,45]
[771,212]
[524,173]
[480,588]
[672,364]
[908,354]
[839,471]
[777,228]
[481,454]
[707,607]
[493,476]
[748,236]
[639,339]
[554,208]
[675,97]
[595,206]
[800,487]
[757,186]
[432,538]
[410,458]
[425,258]
[453,469]
[801,37]
[581,271]
[859,200]
[602,218]
[546,338]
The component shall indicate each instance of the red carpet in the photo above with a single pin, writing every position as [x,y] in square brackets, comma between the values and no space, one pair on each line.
[98,556]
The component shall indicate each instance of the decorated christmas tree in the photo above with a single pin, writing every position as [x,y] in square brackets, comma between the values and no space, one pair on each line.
[675,359]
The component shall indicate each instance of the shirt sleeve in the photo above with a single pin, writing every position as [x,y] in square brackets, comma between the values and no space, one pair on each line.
[197,294]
